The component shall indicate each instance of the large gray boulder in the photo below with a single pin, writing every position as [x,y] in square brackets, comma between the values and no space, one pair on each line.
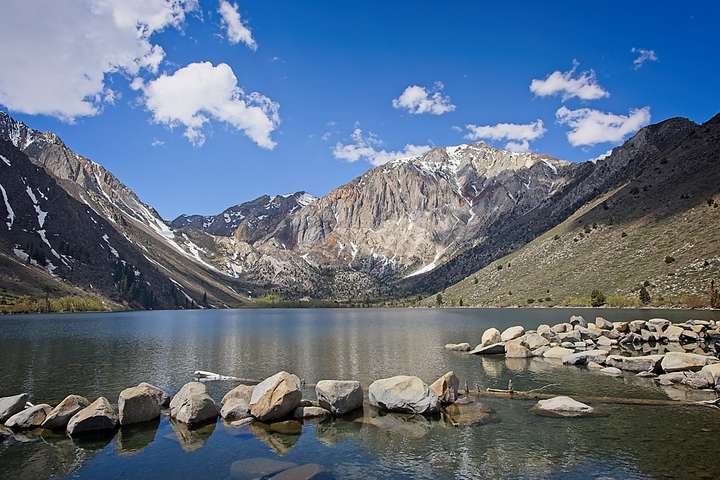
[161,396]
[403,393]
[9,406]
[645,363]
[59,416]
[276,397]
[446,388]
[603,324]
[657,324]
[489,337]
[563,406]
[512,333]
[235,405]
[672,333]
[97,416]
[677,361]
[137,405]
[534,341]
[711,374]
[339,396]
[515,349]
[31,417]
[193,405]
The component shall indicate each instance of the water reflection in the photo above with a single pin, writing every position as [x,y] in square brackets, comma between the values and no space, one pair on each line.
[133,439]
[191,439]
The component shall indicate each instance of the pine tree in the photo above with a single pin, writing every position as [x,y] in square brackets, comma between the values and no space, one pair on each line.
[714,295]
[644,295]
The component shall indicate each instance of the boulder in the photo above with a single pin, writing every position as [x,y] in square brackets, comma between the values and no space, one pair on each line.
[339,396]
[97,416]
[657,324]
[594,366]
[162,398]
[645,374]
[677,361]
[571,336]
[275,397]
[648,336]
[137,405]
[403,394]
[563,406]
[193,405]
[672,378]
[59,416]
[534,341]
[515,349]
[636,325]
[569,345]
[645,363]
[235,405]
[310,412]
[9,406]
[446,388]
[577,320]
[588,333]
[711,373]
[582,358]
[621,327]
[603,324]
[557,352]
[544,330]
[512,333]
[493,349]
[604,341]
[538,352]
[611,371]
[457,347]
[672,333]
[31,417]
[489,337]
[689,336]
[561,328]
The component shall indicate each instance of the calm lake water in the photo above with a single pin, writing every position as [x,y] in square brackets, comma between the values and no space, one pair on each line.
[50,356]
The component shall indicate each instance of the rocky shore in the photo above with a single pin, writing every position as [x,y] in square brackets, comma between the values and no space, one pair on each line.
[674,354]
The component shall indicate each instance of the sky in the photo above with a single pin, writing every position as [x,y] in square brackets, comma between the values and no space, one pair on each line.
[200,105]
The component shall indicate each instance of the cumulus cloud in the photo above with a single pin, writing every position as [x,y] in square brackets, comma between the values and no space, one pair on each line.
[416,100]
[367,147]
[590,127]
[236,30]
[199,92]
[519,134]
[583,86]
[57,55]
[643,56]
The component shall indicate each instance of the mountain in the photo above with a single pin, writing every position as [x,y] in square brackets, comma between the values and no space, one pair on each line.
[413,226]
[653,220]
[249,221]
[134,229]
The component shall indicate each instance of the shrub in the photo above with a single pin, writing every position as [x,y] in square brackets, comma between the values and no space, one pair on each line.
[499,267]
[460,303]
[439,299]
[597,298]
[556,237]
[714,295]
[669,259]
[644,295]
[475,281]
[530,300]
[623,235]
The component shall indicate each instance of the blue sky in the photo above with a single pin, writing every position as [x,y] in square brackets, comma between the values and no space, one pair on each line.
[334,66]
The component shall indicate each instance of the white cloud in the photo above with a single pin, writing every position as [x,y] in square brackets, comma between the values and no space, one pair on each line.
[237,31]
[519,134]
[199,92]
[590,127]
[416,99]
[584,86]
[157,143]
[367,147]
[643,56]
[57,55]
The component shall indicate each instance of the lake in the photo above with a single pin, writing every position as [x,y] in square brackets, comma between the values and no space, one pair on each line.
[51,356]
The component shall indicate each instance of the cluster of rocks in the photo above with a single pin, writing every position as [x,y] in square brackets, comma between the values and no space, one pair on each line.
[679,353]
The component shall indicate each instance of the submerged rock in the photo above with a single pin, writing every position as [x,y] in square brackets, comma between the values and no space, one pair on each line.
[193,405]
[446,388]
[301,472]
[59,416]
[563,406]
[458,347]
[253,468]
[645,363]
[275,397]
[611,371]
[468,414]
[403,393]
[97,416]
[31,417]
[137,405]
[339,396]
[9,406]
[311,412]
[582,358]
